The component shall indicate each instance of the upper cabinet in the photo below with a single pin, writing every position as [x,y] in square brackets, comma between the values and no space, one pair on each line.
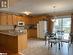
[16,19]
[9,19]
[0,18]
[3,19]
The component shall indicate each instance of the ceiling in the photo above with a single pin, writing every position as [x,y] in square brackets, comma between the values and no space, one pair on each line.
[40,6]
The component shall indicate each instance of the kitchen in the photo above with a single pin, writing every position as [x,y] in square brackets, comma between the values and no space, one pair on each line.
[19,20]
[12,32]
[16,29]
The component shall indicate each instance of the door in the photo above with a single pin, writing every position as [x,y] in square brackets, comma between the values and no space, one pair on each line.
[62,27]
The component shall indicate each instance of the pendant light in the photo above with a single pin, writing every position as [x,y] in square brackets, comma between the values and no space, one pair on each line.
[54,17]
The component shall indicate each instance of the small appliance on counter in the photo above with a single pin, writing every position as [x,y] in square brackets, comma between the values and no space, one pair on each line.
[19,27]
[20,23]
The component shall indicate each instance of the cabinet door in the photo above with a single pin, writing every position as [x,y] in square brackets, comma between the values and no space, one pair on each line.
[19,18]
[10,20]
[14,20]
[0,20]
[3,19]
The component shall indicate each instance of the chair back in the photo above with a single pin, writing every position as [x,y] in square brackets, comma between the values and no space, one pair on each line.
[52,34]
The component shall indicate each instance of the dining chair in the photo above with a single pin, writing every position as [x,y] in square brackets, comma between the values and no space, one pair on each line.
[48,36]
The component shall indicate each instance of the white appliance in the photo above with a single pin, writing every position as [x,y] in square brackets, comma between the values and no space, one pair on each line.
[20,26]
[20,23]
[41,29]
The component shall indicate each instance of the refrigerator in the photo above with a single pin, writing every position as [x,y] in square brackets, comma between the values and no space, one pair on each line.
[41,29]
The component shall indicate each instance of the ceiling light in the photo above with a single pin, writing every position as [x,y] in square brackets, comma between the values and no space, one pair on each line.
[27,12]
[54,18]
[4,4]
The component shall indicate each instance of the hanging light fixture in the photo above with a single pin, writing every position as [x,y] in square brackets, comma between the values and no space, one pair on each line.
[26,12]
[54,18]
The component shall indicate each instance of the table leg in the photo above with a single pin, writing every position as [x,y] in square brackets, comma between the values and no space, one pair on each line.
[59,46]
[51,44]
[45,40]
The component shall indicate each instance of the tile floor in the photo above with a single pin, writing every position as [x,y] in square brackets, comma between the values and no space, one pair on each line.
[37,47]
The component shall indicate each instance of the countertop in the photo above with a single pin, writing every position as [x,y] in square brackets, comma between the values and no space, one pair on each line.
[12,33]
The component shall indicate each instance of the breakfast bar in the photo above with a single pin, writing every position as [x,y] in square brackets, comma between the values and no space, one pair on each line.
[14,41]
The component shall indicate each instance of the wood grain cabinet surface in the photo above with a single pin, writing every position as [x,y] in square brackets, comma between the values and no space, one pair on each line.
[14,43]
[3,19]
[9,19]
[16,19]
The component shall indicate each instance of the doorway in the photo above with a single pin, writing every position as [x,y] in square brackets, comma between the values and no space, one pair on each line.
[62,27]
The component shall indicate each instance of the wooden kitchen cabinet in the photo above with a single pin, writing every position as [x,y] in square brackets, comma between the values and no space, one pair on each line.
[15,43]
[32,33]
[3,19]
[0,20]
[19,18]
[10,20]
[16,19]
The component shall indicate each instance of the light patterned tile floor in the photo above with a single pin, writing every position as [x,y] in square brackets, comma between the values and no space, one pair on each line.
[37,47]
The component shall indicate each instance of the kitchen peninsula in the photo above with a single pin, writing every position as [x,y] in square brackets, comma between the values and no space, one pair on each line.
[13,41]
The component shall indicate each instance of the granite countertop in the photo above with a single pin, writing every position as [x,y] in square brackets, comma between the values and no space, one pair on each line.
[12,33]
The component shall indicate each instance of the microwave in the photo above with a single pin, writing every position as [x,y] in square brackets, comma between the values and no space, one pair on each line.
[20,23]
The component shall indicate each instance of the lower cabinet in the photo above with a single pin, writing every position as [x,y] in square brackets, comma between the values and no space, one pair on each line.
[14,43]
[32,33]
